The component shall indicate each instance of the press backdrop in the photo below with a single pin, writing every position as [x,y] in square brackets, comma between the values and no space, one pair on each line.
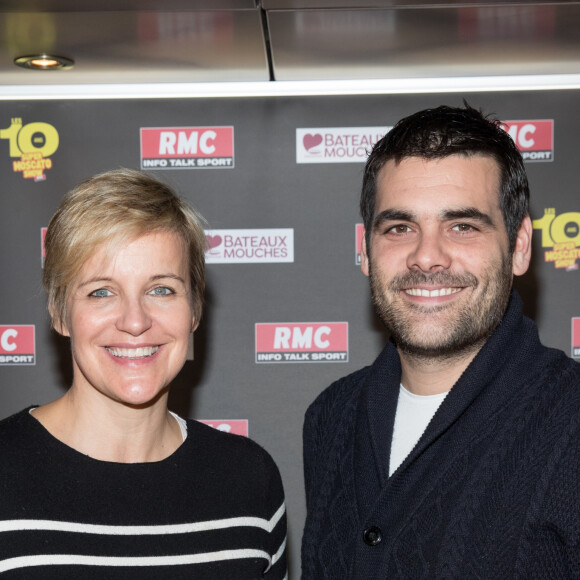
[278,179]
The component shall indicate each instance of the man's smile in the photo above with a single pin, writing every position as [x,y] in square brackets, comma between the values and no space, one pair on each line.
[431,293]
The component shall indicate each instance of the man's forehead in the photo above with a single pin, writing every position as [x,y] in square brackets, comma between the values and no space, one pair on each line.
[464,158]
[463,180]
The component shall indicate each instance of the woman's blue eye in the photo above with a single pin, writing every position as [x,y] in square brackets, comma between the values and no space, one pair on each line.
[162,291]
[101,293]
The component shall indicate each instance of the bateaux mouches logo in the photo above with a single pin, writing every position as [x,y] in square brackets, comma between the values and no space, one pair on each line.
[337,144]
[534,139]
[561,234]
[187,147]
[235,426]
[30,145]
[17,345]
[281,342]
[249,246]
[576,337]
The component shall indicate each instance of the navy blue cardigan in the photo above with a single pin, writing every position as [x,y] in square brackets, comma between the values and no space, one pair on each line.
[491,490]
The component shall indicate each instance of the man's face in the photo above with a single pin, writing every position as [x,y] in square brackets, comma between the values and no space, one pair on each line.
[438,260]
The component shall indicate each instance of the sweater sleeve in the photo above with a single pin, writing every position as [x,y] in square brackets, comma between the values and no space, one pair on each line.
[552,546]
[277,523]
[324,424]
[310,445]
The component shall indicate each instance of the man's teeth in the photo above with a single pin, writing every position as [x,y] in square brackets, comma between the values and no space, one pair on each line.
[431,293]
[141,352]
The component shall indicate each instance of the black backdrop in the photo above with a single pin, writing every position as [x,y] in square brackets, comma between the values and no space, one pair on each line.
[264,188]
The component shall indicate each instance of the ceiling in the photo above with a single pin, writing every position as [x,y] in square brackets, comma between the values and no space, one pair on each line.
[219,41]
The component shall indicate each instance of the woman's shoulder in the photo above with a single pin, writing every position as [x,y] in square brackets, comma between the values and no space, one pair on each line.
[236,451]
[19,437]
[16,425]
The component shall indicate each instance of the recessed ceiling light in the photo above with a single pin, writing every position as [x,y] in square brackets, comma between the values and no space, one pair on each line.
[44,62]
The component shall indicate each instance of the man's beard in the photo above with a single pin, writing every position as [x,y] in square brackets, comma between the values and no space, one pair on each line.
[466,328]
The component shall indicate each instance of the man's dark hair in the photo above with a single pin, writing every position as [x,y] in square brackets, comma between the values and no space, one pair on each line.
[444,131]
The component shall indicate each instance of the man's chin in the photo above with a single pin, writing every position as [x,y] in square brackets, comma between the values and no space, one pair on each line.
[438,347]
[435,352]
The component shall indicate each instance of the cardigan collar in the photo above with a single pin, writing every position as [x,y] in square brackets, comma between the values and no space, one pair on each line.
[489,376]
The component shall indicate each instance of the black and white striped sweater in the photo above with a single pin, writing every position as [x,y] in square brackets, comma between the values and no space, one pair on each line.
[214,509]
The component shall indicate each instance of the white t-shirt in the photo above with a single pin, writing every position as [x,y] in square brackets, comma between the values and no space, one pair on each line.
[182,424]
[414,412]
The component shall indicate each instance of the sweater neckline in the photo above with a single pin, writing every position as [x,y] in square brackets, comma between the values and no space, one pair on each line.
[52,442]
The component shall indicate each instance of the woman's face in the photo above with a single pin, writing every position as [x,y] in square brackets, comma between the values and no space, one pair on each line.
[129,317]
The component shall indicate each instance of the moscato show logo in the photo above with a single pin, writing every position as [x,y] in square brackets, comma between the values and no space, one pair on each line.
[30,146]
[560,233]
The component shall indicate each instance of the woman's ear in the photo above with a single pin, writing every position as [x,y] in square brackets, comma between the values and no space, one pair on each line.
[58,324]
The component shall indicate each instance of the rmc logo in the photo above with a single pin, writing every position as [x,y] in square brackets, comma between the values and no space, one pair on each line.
[534,139]
[17,345]
[301,342]
[186,147]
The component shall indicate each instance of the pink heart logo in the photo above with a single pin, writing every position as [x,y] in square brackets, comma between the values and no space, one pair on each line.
[311,141]
[213,241]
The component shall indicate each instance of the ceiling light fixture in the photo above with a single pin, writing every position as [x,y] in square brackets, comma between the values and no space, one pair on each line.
[260,89]
[44,62]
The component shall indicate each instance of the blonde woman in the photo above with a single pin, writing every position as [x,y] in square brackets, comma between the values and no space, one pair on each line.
[105,482]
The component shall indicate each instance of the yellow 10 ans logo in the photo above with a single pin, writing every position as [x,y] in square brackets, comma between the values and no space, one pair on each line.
[33,143]
[562,234]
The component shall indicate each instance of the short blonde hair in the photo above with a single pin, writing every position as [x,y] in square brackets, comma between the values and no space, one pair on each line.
[111,208]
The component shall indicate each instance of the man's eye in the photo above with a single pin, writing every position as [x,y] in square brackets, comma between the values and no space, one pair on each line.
[400,229]
[463,228]
[100,293]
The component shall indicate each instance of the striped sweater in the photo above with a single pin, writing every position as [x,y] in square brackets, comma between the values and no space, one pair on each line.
[214,509]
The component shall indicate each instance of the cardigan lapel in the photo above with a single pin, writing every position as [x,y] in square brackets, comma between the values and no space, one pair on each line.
[374,427]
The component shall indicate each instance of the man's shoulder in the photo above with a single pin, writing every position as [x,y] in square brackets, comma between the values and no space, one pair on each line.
[563,375]
[340,392]
[559,368]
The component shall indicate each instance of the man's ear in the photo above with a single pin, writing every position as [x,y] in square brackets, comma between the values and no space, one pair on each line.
[523,248]
[364,256]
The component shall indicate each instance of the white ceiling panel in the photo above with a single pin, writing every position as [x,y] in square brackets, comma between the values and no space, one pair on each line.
[244,41]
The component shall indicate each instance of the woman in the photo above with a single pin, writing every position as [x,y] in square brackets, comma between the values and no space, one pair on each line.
[105,482]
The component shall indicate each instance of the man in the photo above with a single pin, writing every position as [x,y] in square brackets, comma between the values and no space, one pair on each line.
[456,454]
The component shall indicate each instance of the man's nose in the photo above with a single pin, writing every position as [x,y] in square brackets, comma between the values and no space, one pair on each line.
[429,254]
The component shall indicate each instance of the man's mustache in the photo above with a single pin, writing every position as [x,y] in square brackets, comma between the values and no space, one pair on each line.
[415,278]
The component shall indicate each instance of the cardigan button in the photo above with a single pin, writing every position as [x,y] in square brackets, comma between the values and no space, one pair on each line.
[373,536]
